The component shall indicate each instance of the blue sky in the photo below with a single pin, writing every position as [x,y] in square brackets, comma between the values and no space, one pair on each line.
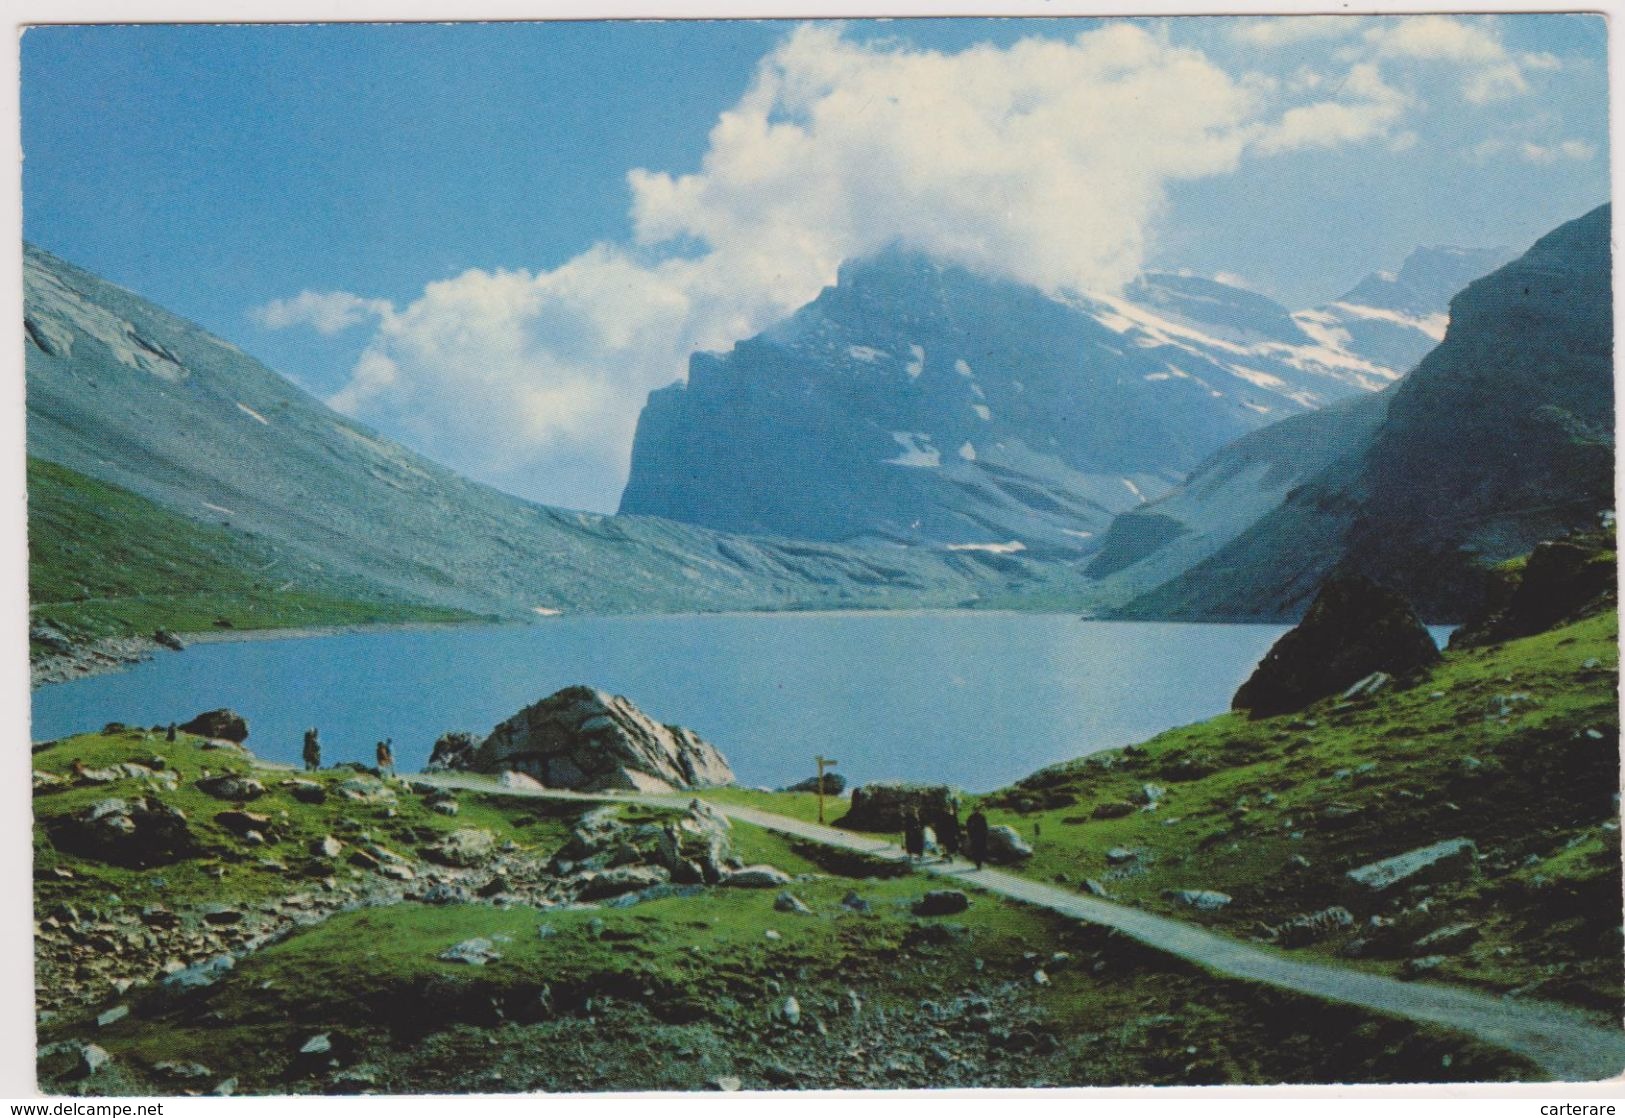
[490,241]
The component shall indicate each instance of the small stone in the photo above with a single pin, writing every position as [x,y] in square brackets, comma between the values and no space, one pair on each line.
[772,934]
[1040,978]
[225,1088]
[316,1045]
[789,1011]
[92,1058]
[854,902]
[789,902]
[112,1016]
[725,1083]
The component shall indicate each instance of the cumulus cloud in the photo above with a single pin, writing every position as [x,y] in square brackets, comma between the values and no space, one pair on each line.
[328,312]
[1489,72]
[1046,161]
[1280,31]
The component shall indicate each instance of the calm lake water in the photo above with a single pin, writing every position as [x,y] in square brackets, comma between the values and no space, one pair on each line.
[972,699]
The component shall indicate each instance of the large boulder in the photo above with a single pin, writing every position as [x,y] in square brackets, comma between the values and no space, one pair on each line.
[227,725]
[453,751]
[880,807]
[1354,628]
[136,833]
[589,740]
[1005,847]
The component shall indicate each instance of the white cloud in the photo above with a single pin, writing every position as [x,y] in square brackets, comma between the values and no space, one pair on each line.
[1280,31]
[1045,161]
[1488,72]
[1370,108]
[329,312]
[1529,151]
[1576,150]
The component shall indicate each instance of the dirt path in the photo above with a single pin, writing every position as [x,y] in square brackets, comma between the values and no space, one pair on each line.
[1560,1040]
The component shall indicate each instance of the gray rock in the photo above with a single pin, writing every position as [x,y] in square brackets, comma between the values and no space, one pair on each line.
[1436,862]
[182,1070]
[465,847]
[112,1016]
[1113,809]
[1006,847]
[326,847]
[365,788]
[1414,967]
[200,975]
[941,902]
[725,1083]
[757,877]
[589,740]
[1095,888]
[476,952]
[1449,940]
[854,902]
[789,902]
[598,884]
[92,1058]
[789,1011]
[453,752]
[1367,686]
[230,786]
[225,1088]
[1203,900]
[1312,926]
[318,1045]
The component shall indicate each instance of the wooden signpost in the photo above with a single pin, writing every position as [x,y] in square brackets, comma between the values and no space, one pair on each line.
[823,763]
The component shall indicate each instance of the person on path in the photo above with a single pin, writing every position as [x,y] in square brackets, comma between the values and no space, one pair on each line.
[386,757]
[947,828]
[313,751]
[976,832]
[169,734]
[913,835]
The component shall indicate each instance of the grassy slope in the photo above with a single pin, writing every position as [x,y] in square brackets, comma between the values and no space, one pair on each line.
[671,993]
[1344,784]
[1533,782]
[105,562]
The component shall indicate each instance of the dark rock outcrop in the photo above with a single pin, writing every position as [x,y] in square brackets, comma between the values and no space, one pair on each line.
[880,807]
[135,833]
[1561,581]
[225,724]
[834,785]
[453,751]
[1354,628]
[589,740]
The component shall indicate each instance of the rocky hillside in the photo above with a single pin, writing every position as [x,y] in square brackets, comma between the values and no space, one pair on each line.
[126,394]
[917,403]
[1503,436]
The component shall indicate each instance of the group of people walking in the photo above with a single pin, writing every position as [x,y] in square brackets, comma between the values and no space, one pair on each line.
[385,753]
[950,836]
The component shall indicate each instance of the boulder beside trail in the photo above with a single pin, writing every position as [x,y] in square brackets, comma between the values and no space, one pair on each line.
[453,751]
[1005,847]
[225,724]
[1354,628]
[589,740]
[880,807]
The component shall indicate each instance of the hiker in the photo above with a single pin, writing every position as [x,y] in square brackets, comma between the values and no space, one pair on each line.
[313,751]
[976,832]
[169,734]
[386,757]
[913,835]
[947,828]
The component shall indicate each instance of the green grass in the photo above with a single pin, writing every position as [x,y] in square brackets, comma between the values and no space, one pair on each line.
[105,562]
[223,866]
[1341,784]
[672,992]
